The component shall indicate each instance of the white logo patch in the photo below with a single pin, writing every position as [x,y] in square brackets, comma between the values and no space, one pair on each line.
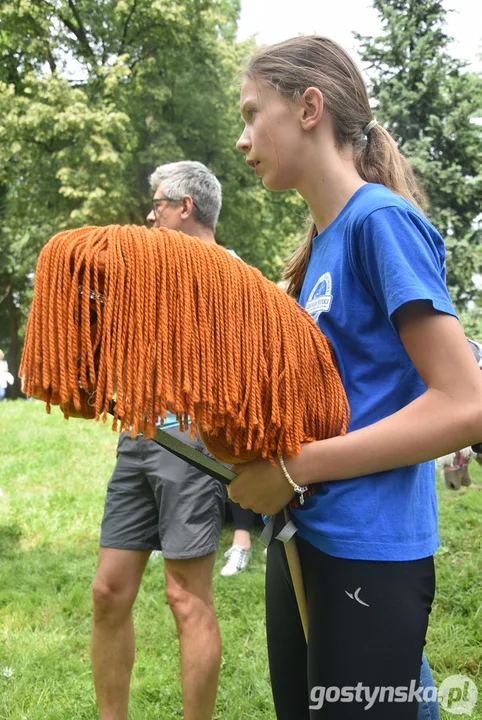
[320,297]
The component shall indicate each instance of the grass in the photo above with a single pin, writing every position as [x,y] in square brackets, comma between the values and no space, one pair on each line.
[53,477]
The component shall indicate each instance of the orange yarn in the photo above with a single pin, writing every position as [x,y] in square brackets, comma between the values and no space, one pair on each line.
[161,321]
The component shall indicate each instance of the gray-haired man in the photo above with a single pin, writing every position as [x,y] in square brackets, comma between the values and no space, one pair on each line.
[156,501]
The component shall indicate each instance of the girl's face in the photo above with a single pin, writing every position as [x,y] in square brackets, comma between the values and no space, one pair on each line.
[272,137]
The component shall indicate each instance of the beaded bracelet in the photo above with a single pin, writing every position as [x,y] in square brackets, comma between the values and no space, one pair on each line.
[299,489]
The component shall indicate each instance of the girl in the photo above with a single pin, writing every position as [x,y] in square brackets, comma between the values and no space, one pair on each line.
[372,274]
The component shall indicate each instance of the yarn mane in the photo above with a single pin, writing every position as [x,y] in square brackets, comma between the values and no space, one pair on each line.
[157,320]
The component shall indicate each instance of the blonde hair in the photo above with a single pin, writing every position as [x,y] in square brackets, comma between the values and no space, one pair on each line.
[292,66]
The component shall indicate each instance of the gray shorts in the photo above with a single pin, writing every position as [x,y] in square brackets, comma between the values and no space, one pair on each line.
[155,501]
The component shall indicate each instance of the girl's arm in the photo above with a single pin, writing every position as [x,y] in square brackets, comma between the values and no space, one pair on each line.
[447,417]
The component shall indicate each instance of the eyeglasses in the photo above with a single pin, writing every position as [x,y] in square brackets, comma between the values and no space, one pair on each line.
[157,201]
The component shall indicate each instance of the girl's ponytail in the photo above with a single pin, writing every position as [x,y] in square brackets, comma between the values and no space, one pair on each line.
[379,160]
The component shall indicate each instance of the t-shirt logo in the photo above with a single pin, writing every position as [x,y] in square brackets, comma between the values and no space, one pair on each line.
[320,297]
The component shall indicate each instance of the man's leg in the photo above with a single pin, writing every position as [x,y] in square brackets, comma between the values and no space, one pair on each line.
[129,532]
[191,513]
[115,589]
[190,597]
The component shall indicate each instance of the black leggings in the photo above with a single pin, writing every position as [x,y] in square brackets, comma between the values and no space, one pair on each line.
[243,519]
[367,626]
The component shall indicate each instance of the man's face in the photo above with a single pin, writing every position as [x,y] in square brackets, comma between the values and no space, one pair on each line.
[167,212]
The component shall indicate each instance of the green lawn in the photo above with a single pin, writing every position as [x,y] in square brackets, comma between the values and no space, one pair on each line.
[52,481]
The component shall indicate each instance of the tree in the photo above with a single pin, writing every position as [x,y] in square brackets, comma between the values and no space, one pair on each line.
[53,145]
[96,93]
[430,103]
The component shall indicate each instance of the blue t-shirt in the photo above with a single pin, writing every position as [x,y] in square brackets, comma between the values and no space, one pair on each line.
[170,420]
[379,253]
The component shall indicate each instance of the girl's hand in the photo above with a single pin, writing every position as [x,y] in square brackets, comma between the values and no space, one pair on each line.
[261,486]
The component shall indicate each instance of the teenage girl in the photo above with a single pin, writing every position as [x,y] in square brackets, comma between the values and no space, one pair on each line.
[372,274]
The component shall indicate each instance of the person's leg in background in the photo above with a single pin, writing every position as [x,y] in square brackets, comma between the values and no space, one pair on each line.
[191,515]
[237,557]
[190,597]
[428,709]
[128,534]
[115,589]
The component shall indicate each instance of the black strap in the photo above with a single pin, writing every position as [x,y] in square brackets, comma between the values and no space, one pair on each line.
[194,457]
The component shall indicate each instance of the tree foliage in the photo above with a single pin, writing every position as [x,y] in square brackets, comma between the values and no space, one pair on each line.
[430,103]
[94,95]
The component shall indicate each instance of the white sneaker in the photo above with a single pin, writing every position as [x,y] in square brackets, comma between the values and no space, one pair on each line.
[237,560]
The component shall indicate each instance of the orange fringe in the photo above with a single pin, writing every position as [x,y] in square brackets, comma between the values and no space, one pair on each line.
[161,321]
